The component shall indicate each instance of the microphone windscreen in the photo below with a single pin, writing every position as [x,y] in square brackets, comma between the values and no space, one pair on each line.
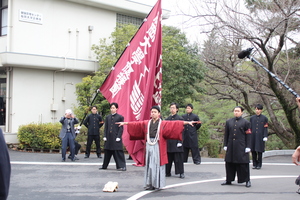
[245,53]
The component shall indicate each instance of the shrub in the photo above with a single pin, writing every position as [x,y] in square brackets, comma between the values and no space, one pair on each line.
[213,147]
[40,136]
[204,136]
[274,143]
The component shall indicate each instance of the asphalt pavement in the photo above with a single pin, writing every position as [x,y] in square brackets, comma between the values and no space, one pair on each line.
[42,176]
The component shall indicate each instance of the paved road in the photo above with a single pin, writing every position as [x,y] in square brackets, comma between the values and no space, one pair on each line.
[41,176]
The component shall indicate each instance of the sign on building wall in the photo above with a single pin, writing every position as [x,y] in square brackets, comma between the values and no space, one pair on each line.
[32,17]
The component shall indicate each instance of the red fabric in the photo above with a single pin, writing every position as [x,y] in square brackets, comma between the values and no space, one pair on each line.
[248,131]
[168,130]
[135,80]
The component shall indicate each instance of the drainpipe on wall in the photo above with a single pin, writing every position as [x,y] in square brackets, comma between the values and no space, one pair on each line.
[8,101]
[8,69]
[77,44]
[69,32]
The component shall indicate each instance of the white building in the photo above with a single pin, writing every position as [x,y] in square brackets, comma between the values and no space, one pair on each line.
[45,49]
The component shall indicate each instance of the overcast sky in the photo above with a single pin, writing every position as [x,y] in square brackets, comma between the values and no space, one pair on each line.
[175,19]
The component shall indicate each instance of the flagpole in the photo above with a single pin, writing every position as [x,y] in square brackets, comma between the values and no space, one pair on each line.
[97,92]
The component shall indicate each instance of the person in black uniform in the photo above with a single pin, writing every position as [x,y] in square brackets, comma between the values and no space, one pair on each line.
[93,122]
[237,141]
[5,168]
[113,139]
[190,136]
[259,127]
[174,147]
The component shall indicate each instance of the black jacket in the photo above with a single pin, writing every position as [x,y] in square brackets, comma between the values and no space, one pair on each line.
[259,128]
[5,168]
[237,138]
[113,131]
[93,122]
[190,136]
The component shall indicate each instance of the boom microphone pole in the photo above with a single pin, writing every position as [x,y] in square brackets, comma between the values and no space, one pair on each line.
[247,52]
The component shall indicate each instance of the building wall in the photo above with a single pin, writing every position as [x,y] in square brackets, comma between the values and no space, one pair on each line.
[62,41]
[34,91]
[3,44]
[44,60]
[64,29]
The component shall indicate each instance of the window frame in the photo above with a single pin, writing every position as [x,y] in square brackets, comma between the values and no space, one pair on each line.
[2,8]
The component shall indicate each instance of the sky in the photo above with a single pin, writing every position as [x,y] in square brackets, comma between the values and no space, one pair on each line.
[176,7]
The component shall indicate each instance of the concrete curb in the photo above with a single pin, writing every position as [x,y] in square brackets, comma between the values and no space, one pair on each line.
[278,153]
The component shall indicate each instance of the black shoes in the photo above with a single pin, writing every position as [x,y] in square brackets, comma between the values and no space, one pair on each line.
[248,184]
[75,158]
[102,168]
[197,163]
[182,176]
[63,160]
[87,156]
[168,175]
[255,167]
[149,188]
[121,169]
[226,183]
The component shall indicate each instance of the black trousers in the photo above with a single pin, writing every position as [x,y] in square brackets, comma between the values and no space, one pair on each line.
[195,154]
[90,140]
[241,169]
[177,158]
[256,158]
[119,158]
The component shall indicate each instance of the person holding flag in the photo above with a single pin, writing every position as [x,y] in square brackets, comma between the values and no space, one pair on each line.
[135,81]
[155,134]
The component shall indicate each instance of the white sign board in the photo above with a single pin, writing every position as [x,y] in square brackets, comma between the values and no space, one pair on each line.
[32,17]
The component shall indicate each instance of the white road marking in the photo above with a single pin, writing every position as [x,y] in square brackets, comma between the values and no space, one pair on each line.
[141,194]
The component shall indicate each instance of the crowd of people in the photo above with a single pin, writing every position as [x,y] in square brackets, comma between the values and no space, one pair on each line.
[169,141]
[166,141]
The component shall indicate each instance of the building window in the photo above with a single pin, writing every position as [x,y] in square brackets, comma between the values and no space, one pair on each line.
[3,16]
[125,19]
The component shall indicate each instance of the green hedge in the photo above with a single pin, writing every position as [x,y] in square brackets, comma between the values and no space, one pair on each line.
[46,136]
[203,136]
[213,147]
[39,136]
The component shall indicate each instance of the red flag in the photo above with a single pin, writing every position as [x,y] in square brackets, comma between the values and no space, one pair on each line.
[135,80]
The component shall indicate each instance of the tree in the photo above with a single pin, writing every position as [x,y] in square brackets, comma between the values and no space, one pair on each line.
[108,52]
[270,27]
[182,71]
